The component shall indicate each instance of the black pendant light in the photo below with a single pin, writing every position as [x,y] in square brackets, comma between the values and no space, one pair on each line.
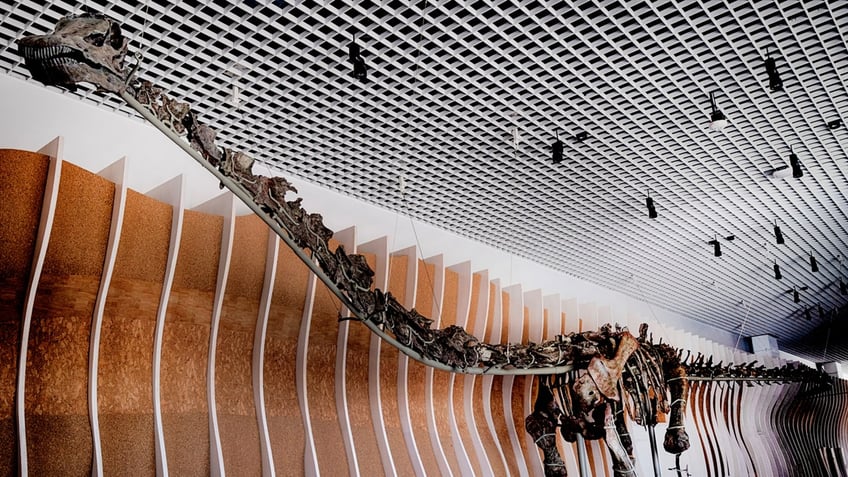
[777,274]
[778,235]
[795,164]
[354,56]
[775,83]
[716,247]
[557,149]
[649,202]
[807,313]
[717,119]
[814,266]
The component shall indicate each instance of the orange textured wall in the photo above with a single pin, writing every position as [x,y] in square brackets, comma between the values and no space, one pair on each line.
[358,400]
[58,431]
[125,371]
[57,376]
[22,189]
[185,346]
[285,424]
[389,357]
[233,365]
[320,381]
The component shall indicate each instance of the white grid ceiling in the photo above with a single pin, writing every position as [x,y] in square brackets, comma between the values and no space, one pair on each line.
[445,89]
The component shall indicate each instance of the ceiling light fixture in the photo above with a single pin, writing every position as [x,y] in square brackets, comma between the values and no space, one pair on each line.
[835,124]
[796,293]
[717,119]
[795,164]
[843,287]
[775,83]
[354,55]
[649,202]
[821,312]
[581,136]
[814,266]
[778,235]
[807,313]
[556,149]
[777,274]
[716,247]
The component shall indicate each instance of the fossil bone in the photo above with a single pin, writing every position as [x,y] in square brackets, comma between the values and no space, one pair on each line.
[82,49]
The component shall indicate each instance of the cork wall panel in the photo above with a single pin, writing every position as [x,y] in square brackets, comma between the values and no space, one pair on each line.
[320,381]
[389,356]
[498,414]
[489,445]
[417,372]
[185,345]
[57,361]
[22,188]
[145,238]
[81,225]
[285,424]
[358,401]
[441,379]
[233,363]
[125,402]
[200,248]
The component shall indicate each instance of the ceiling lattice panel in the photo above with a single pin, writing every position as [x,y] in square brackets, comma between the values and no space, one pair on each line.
[449,83]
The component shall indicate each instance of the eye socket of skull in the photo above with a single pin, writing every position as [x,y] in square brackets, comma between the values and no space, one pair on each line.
[116,38]
[96,39]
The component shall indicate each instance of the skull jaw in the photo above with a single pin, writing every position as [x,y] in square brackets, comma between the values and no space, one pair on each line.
[68,73]
[58,61]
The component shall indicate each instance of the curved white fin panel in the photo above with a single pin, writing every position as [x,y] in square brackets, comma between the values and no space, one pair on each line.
[463,308]
[480,319]
[222,205]
[403,365]
[515,328]
[173,193]
[346,238]
[265,451]
[380,248]
[117,173]
[438,286]
[54,150]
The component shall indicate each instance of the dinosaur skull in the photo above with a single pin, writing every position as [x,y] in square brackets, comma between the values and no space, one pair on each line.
[85,48]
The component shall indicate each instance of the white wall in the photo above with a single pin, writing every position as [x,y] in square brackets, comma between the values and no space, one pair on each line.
[95,137]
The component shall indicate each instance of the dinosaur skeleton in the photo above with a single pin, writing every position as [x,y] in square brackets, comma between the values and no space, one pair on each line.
[616,374]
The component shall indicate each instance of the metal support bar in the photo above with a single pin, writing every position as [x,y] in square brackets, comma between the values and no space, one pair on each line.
[285,235]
